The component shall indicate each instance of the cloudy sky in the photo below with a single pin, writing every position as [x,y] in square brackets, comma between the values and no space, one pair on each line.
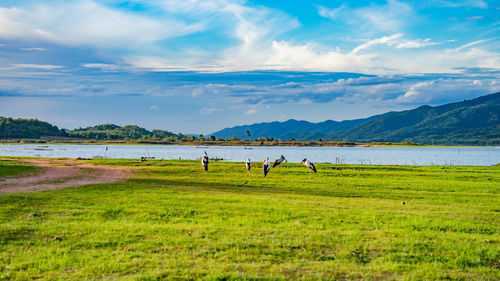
[197,66]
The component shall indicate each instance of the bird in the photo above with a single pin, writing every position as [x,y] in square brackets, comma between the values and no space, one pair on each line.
[204,160]
[278,161]
[266,166]
[309,165]
[248,164]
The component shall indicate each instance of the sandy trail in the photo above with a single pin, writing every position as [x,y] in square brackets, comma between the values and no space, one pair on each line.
[62,173]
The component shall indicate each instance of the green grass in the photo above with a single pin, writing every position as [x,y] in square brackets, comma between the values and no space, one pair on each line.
[174,221]
[15,169]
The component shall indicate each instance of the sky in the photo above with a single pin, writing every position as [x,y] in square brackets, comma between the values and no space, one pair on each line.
[198,66]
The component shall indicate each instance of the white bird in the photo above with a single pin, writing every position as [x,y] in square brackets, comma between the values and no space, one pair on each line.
[204,160]
[266,166]
[309,165]
[248,164]
[278,161]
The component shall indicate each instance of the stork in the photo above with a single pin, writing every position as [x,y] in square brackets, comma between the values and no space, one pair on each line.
[278,161]
[266,166]
[309,165]
[204,160]
[248,164]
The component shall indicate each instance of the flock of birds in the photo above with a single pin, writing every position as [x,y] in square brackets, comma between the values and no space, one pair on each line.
[266,167]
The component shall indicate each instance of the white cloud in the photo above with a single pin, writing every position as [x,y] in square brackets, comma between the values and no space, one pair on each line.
[14,26]
[398,42]
[331,13]
[442,61]
[390,17]
[251,111]
[284,55]
[156,63]
[380,90]
[103,66]
[462,3]
[209,110]
[33,49]
[38,66]
[389,40]
[153,107]
[388,57]
[445,90]
[251,24]
[415,93]
[474,43]
[280,55]
[86,22]
[418,43]
[474,18]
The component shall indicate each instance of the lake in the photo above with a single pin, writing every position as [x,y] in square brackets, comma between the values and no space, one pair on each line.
[474,156]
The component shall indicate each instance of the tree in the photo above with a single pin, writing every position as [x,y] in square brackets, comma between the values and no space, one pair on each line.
[248,133]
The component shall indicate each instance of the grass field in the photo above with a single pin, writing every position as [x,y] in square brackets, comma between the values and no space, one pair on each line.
[15,169]
[174,221]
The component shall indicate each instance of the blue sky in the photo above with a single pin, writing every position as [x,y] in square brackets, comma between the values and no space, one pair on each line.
[199,66]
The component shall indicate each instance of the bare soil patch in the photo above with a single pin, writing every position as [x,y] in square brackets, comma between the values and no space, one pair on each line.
[56,173]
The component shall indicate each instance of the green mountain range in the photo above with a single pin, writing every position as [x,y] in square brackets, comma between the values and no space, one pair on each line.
[299,130]
[474,122]
[469,122]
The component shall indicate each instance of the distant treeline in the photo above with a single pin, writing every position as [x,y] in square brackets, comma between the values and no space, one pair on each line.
[35,129]
[115,132]
[28,128]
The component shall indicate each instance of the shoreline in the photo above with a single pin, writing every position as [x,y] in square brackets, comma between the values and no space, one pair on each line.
[244,143]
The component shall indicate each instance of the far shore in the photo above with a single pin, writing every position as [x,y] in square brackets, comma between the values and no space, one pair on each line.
[256,143]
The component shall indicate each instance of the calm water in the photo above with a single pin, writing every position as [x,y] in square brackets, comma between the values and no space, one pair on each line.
[481,156]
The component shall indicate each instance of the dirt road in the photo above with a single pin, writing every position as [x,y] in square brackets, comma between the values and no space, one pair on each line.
[62,173]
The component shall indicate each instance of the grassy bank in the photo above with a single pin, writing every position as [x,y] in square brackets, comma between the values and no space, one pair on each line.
[172,220]
[15,169]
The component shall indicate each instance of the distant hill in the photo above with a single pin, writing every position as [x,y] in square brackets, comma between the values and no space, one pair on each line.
[469,122]
[34,129]
[27,128]
[299,130]
[115,132]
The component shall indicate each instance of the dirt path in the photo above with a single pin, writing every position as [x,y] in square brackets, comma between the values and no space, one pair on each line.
[62,173]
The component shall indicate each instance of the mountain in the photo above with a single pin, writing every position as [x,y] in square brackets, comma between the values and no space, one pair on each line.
[469,122]
[27,128]
[299,130]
